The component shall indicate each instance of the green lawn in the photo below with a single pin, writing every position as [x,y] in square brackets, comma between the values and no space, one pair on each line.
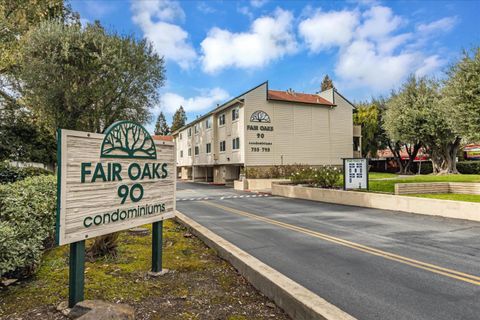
[449,196]
[381,175]
[389,185]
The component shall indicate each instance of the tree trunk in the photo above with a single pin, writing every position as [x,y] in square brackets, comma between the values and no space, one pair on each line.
[395,149]
[412,154]
[103,246]
[444,157]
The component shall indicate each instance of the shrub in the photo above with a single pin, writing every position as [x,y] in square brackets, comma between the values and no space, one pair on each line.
[9,173]
[323,176]
[469,167]
[27,215]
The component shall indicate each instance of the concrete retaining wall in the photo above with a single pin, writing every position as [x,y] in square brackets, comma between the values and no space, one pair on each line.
[438,187]
[434,207]
[257,184]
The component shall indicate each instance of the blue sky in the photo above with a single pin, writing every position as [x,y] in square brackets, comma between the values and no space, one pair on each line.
[215,50]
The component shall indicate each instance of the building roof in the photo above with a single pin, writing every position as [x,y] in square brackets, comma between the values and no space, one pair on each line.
[422,155]
[162,138]
[292,96]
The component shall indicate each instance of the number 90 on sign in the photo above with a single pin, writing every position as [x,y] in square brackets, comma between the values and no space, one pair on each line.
[135,192]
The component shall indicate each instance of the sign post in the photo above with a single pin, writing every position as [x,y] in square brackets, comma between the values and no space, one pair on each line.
[157,249]
[355,173]
[76,273]
[108,183]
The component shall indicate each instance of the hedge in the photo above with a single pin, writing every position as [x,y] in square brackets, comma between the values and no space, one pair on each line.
[469,167]
[9,173]
[27,224]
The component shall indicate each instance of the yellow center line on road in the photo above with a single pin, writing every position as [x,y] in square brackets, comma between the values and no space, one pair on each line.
[387,255]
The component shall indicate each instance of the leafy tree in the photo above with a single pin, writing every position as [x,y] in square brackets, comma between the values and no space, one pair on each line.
[456,115]
[22,137]
[17,18]
[179,119]
[406,114]
[86,79]
[367,115]
[462,95]
[327,83]
[161,127]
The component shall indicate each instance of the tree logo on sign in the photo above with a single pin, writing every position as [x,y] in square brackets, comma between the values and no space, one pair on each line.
[125,139]
[260,116]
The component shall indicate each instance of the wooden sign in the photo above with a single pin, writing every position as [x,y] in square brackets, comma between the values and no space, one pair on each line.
[113,181]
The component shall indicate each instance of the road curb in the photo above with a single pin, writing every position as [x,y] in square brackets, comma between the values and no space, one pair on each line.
[297,301]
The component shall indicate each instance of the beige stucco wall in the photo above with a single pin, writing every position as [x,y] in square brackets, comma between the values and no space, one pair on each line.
[261,184]
[434,207]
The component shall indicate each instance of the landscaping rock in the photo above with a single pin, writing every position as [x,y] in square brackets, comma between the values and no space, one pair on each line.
[8,282]
[101,310]
[141,232]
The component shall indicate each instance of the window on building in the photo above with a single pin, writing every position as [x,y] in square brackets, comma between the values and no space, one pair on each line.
[189,132]
[197,150]
[197,128]
[235,114]
[189,152]
[236,143]
[221,119]
[208,123]
[181,153]
[222,146]
[209,148]
[180,136]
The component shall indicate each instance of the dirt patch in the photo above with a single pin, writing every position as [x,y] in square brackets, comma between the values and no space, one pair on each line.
[201,286]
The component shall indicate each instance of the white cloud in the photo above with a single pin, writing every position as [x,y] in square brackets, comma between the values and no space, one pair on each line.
[168,39]
[205,8]
[207,99]
[245,11]
[379,22]
[444,24]
[361,64]
[258,3]
[430,65]
[269,38]
[373,50]
[325,30]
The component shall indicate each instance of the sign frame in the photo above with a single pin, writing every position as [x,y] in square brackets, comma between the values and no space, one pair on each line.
[63,134]
[367,162]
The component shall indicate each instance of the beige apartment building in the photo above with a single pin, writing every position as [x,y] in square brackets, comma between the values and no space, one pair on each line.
[262,128]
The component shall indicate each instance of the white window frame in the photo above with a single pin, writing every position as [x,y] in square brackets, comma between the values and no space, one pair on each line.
[220,122]
[236,143]
[235,114]
[224,146]
[197,150]
[208,147]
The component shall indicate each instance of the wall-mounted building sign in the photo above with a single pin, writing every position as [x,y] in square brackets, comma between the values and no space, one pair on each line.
[262,142]
[113,181]
[355,173]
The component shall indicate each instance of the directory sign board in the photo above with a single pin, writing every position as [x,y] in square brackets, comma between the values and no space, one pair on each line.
[113,181]
[355,173]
